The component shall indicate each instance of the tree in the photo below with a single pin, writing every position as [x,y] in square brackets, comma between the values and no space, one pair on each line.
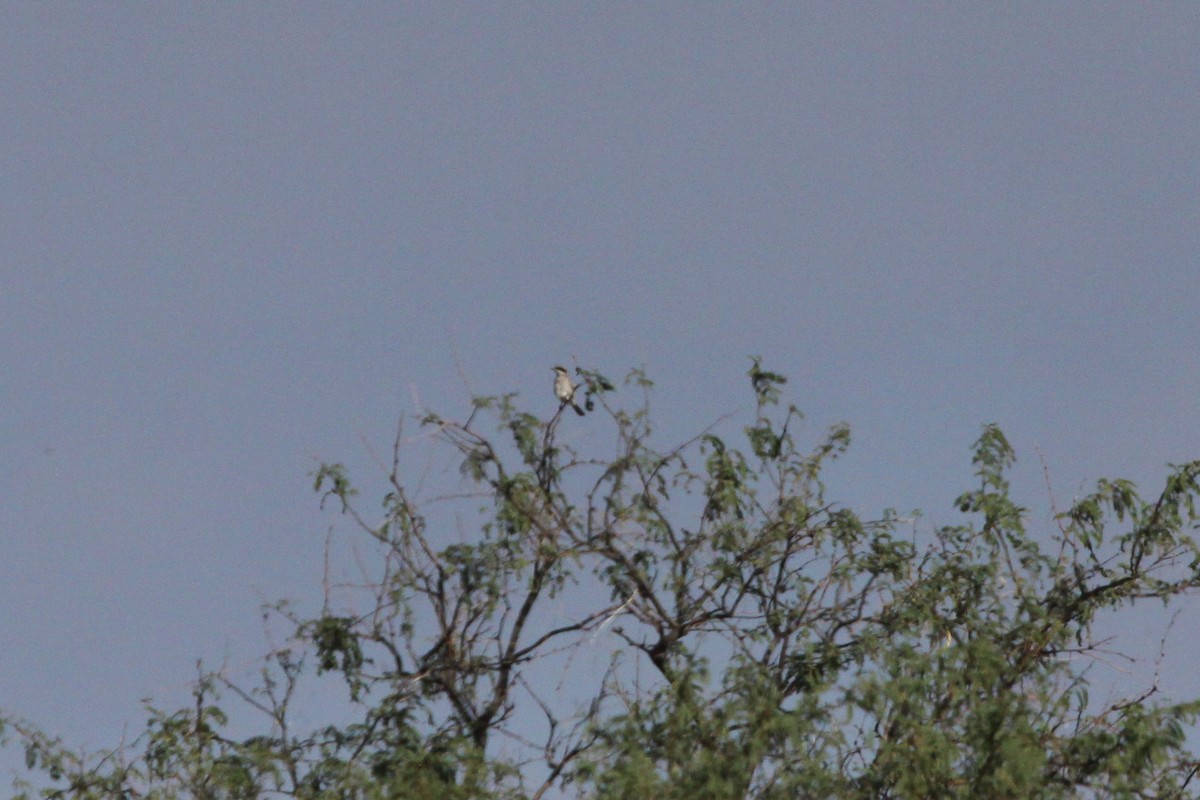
[695,622]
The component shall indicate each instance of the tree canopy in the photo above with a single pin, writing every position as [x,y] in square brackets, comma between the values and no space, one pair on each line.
[700,621]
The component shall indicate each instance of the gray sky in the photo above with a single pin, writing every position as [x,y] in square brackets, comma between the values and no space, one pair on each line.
[242,238]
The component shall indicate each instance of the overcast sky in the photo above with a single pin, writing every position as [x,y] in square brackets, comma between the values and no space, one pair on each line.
[239,239]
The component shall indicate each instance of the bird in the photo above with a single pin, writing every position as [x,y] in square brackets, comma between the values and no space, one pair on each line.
[564,390]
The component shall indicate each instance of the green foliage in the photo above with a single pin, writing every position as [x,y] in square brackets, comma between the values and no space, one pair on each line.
[755,638]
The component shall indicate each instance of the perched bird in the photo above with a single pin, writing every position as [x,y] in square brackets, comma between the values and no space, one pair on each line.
[564,390]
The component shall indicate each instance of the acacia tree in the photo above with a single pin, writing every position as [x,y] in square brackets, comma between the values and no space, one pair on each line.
[700,621]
